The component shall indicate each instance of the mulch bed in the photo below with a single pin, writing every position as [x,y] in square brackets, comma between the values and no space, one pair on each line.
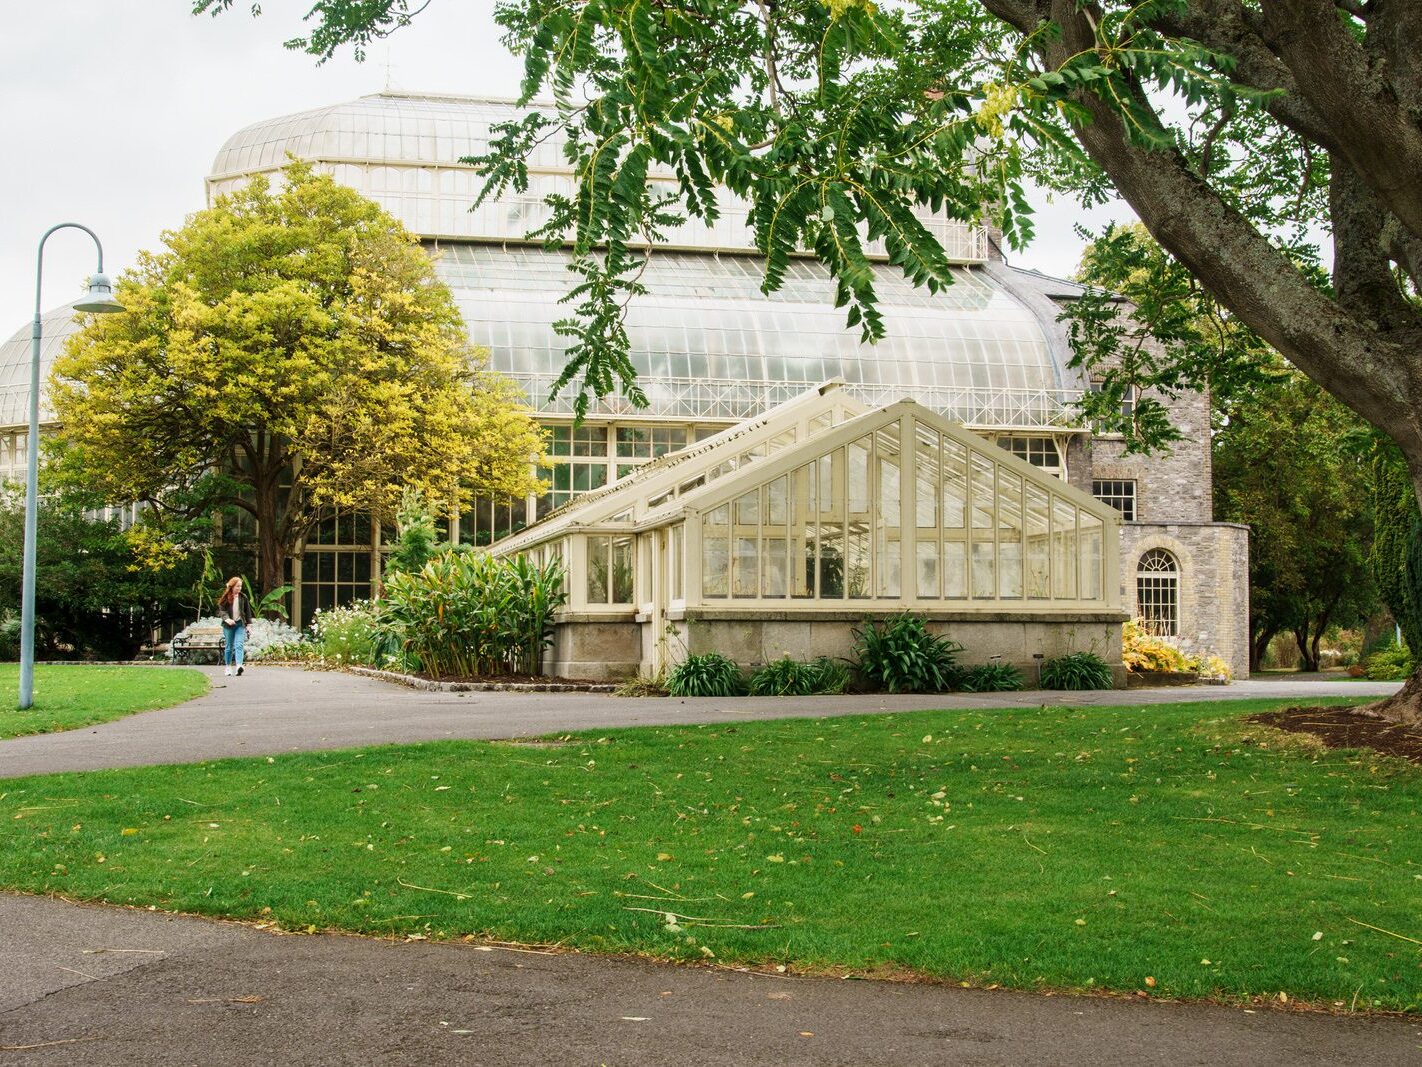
[1348,728]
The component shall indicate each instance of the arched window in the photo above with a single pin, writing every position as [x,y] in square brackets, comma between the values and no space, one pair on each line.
[1158,593]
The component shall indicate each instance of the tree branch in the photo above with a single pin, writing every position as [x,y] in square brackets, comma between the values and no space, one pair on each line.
[1380,139]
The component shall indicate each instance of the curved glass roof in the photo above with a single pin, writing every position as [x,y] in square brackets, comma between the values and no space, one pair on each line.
[403,149]
[708,344]
[59,324]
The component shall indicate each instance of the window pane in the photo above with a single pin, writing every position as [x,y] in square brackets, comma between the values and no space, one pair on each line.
[1009,534]
[1091,552]
[955,485]
[716,552]
[1039,585]
[599,550]
[747,572]
[622,570]
[803,511]
[927,567]
[1063,550]
[773,566]
[888,559]
[955,569]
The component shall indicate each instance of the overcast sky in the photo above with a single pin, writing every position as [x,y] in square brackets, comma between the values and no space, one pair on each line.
[111,112]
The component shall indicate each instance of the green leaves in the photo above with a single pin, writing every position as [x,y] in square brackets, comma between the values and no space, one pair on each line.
[899,655]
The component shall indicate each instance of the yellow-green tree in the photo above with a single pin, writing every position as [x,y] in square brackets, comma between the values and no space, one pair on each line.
[289,350]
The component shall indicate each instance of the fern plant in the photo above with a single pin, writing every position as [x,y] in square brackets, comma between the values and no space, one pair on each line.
[1077,670]
[707,675]
[899,655]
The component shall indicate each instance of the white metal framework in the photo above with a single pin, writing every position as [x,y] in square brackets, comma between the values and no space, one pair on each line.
[823,504]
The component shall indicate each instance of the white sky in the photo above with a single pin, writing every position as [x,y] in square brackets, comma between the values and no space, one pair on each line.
[111,112]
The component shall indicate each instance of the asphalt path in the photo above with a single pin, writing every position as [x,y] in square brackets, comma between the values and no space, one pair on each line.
[274,710]
[110,986]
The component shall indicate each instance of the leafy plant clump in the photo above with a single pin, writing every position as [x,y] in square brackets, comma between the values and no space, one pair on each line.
[899,655]
[707,675]
[991,678]
[644,685]
[1077,670]
[468,615]
[1390,664]
[788,677]
[1143,651]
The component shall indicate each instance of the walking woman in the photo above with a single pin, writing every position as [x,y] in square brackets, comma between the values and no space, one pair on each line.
[235,611]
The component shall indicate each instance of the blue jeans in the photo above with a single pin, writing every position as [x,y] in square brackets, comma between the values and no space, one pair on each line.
[233,638]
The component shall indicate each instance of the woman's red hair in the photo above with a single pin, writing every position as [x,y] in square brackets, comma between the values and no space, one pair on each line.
[228,593]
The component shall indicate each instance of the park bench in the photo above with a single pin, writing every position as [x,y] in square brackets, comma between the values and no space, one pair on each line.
[199,640]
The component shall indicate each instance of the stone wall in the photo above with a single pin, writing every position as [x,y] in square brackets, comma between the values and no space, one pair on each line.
[595,648]
[1172,484]
[1213,558]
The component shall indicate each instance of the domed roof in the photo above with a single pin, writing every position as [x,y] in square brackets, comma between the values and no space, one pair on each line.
[707,344]
[403,150]
[59,324]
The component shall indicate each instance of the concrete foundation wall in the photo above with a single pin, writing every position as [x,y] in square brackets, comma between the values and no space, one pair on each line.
[597,649]
[614,649]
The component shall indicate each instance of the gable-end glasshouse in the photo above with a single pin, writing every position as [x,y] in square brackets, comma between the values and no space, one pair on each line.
[781,534]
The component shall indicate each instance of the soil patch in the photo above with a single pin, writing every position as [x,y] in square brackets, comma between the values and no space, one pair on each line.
[1348,728]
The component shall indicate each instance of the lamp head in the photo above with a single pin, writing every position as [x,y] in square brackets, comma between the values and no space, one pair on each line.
[101,299]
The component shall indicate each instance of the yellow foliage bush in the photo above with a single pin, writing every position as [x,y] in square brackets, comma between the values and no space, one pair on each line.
[1142,651]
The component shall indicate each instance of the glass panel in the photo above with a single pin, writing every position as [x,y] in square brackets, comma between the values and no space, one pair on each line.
[716,552]
[1063,550]
[802,531]
[984,583]
[747,510]
[678,561]
[1091,555]
[955,569]
[1009,534]
[927,567]
[982,493]
[622,570]
[888,557]
[775,502]
[599,563]
[955,485]
[747,572]
[1039,575]
[926,489]
[773,566]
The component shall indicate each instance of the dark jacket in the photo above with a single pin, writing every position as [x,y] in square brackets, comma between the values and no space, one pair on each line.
[244,606]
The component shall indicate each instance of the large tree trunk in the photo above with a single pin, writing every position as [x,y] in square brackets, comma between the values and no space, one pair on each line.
[1308,653]
[1406,704]
[271,545]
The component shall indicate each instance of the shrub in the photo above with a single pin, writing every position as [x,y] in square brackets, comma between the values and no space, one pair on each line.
[1390,664]
[346,634]
[1143,651]
[707,675]
[468,614]
[265,637]
[901,656]
[1077,670]
[991,678]
[788,677]
[1213,667]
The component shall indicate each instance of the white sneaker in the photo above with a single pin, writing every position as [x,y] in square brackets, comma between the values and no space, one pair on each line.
[227,670]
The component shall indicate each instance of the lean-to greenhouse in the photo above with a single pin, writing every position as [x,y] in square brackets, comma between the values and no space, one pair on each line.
[781,534]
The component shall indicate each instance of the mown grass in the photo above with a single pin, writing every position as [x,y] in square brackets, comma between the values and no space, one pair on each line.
[1066,848]
[67,696]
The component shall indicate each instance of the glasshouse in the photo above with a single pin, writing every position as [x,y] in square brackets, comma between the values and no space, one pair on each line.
[781,534]
[711,350]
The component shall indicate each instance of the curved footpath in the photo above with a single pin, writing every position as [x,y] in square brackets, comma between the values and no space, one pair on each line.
[272,710]
[88,985]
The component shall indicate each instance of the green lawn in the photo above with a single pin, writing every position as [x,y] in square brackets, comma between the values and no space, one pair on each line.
[67,697]
[1067,848]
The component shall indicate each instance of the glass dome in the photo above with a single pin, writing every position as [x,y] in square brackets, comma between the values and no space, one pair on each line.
[59,325]
[403,149]
[708,344]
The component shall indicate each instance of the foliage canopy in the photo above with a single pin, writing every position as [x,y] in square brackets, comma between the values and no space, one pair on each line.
[289,351]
